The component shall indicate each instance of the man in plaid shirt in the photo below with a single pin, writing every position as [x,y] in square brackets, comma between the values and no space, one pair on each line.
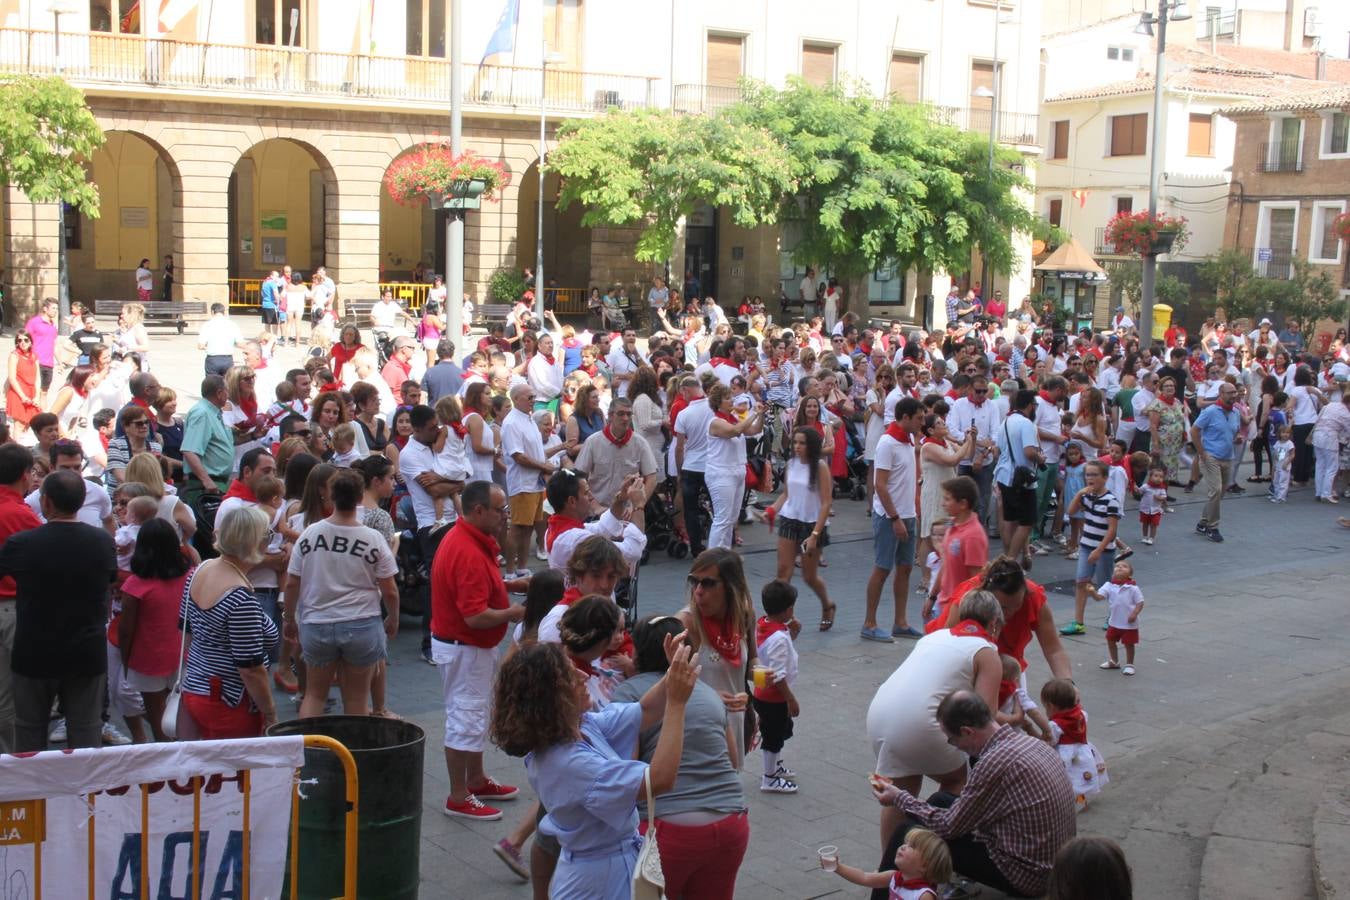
[1016,811]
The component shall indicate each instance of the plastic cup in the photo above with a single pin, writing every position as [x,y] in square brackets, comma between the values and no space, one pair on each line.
[760,676]
[829,858]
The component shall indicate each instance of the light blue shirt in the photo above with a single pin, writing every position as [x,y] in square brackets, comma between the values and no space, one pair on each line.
[1217,429]
[589,789]
[1013,437]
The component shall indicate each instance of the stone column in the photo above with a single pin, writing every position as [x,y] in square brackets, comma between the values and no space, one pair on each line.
[201,230]
[30,262]
[490,237]
[352,230]
[941,285]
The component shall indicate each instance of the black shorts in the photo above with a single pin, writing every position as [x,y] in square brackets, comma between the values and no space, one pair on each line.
[775,725]
[45,376]
[269,315]
[1019,505]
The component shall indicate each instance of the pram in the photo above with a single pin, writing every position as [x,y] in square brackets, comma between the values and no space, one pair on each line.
[664,530]
[852,483]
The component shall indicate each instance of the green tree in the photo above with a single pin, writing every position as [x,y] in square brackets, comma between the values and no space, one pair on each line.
[1230,274]
[1312,297]
[46,134]
[1173,291]
[655,167]
[886,182]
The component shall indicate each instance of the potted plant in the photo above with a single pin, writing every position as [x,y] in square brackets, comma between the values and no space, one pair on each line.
[1142,235]
[433,174]
[1341,226]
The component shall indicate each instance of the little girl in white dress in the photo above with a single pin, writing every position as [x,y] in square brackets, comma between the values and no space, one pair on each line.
[1068,729]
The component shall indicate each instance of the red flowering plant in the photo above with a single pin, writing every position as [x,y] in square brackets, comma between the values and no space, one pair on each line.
[433,169]
[1341,226]
[1141,234]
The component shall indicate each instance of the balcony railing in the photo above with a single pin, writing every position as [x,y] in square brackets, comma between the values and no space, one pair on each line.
[1270,262]
[1281,156]
[1100,245]
[1013,127]
[1218,25]
[699,99]
[130,59]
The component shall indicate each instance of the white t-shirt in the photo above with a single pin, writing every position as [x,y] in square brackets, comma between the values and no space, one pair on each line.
[1121,599]
[1013,437]
[125,539]
[896,458]
[1047,419]
[384,315]
[339,567]
[259,576]
[97,504]
[145,279]
[521,435]
[692,422]
[219,335]
[415,459]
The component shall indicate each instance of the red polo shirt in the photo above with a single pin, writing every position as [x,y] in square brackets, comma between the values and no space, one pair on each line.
[465,581]
[395,372]
[1017,630]
[15,516]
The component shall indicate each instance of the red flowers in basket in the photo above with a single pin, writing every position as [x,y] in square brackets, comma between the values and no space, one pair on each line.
[433,169]
[1141,234]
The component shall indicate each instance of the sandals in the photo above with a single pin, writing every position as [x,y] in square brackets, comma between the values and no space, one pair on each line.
[827,618]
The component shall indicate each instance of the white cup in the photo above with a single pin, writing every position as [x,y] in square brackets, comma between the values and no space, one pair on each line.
[829,858]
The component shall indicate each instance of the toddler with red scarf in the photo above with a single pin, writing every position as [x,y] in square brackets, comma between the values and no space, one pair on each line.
[775,703]
[1015,706]
[1125,600]
[1068,730]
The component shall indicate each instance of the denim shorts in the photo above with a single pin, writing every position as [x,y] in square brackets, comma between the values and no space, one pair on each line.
[1100,572]
[358,642]
[889,550]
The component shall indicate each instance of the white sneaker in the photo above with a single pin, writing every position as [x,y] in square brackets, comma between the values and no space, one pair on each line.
[540,554]
[112,737]
[58,734]
[784,772]
[776,785]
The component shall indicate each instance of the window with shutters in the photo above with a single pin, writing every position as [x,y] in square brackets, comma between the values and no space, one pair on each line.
[1059,139]
[279,22]
[1124,204]
[1325,244]
[906,77]
[818,63]
[1335,134]
[1129,135]
[1055,212]
[1200,137]
[725,54]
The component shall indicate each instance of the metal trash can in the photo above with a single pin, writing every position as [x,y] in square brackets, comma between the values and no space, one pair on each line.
[388,754]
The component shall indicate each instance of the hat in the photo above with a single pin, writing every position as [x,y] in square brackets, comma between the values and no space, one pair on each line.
[1120,309]
[1265,322]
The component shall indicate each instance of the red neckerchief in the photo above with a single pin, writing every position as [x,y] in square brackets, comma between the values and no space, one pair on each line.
[1170,401]
[617,442]
[970,628]
[459,428]
[1123,581]
[721,361]
[145,405]
[765,627]
[929,439]
[103,438]
[911,883]
[570,596]
[249,407]
[557,524]
[548,359]
[241,490]
[1045,395]
[1072,725]
[726,417]
[900,434]
[1006,689]
[591,370]
[581,666]
[726,642]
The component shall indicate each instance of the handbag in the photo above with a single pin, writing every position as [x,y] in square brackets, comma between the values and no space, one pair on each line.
[1024,477]
[177,723]
[649,880]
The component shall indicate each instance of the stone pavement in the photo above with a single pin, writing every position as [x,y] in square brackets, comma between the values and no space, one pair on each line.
[1228,750]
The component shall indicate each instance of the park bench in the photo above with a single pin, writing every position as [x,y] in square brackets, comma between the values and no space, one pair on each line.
[177,314]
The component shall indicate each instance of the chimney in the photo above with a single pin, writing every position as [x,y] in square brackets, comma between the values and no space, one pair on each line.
[1321,66]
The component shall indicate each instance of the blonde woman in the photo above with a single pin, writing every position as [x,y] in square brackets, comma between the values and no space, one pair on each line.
[131,336]
[145,469]
[241,414]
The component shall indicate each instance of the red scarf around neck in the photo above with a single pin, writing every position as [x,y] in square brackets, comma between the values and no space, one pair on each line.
[591,370]
[459,428]
[249,407]
[618,442]
[570,596]
[1006,689]
[726,417]
[901,883]
[1045,395]
[1072,725]
[1122,581]
[971,628]
[724,639]
[1170,401]
[721,361]
[929,439]
[548,359]
[557,524]
[238,488]
[900,434]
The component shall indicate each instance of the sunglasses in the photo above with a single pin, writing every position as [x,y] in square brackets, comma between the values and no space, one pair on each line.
[706,584]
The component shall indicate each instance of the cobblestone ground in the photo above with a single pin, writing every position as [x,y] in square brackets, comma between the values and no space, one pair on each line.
[1243,658]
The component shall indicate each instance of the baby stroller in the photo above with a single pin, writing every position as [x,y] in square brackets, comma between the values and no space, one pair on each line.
[850,477]
[662,529]
[626,596]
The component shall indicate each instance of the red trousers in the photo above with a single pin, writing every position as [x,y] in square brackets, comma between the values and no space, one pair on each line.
[216,720]
[700,862]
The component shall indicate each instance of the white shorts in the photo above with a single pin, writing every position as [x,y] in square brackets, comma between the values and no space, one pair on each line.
[466,679]
[431,343]
[123,698]
[148,684]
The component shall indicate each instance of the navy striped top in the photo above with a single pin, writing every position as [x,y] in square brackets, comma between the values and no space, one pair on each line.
[232,635]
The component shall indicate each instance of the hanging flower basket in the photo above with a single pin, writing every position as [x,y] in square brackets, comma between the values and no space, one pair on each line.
[1341,226]
[1141,235]
[431,173]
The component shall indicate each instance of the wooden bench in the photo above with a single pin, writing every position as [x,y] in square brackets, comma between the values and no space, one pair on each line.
[158,312]
[486,313]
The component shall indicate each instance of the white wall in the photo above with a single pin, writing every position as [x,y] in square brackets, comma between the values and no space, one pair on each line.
[1077,61]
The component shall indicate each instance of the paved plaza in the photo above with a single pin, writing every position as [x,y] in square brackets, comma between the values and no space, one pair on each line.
[1227,751]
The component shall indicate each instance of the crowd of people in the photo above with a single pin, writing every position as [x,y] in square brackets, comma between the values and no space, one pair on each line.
[276,533]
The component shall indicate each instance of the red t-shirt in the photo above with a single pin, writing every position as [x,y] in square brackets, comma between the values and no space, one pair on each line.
[1017,630]
[154,651]
[963,546]
[15,516]
[465,581]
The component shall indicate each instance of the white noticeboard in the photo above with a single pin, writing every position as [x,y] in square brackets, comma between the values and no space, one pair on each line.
[65,815]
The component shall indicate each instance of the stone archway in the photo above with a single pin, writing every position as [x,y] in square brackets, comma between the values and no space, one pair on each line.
[283,202]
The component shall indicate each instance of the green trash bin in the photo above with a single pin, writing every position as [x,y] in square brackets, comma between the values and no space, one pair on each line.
[388,755]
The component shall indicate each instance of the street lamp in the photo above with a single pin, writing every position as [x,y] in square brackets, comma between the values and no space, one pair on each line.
[454,218]
[991,95]
[59,8]
[1173,10]
[546,58]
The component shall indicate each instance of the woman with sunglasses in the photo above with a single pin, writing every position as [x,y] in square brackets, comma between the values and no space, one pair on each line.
[720,621]
[135,422]
[21,388]
[242,413]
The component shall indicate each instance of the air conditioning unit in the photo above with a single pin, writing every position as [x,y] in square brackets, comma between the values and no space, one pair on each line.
[1312,27]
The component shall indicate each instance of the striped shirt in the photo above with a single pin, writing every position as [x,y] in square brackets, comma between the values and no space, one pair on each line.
[233,634]
[1098,510]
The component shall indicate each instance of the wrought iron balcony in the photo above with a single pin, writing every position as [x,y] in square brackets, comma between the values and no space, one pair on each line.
[1271,263]
[1281,156]
[1013,127]
[699,99]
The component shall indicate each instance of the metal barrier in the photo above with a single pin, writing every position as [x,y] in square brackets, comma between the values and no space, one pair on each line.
[350,820]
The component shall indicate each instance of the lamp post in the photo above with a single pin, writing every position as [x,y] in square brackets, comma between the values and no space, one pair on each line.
[58,8]
[992,96]
[454,218]
[1173,10]
[545,58]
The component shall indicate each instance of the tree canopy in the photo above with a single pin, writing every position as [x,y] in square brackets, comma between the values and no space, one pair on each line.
[887,181]
[46,132]
[655,167]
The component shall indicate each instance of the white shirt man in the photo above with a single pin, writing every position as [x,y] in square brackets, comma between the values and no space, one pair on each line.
[415,459]
[692,425]
[628,536]
[322,293]
[1121,320]
[521,435]
[545,377]
[623,360]
[1048,420]
[385,315]
[978,410]
[219,336]
[896,458]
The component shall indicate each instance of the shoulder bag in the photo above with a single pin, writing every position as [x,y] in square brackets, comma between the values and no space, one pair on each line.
[1024,476]
[649,880]
[177,723]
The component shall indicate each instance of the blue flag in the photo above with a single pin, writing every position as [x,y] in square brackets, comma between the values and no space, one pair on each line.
[503,38]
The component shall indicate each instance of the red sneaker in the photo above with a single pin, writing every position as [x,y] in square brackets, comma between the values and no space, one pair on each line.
[472,808]
[491,790]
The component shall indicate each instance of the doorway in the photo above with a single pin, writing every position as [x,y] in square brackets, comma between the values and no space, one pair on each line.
[700,253]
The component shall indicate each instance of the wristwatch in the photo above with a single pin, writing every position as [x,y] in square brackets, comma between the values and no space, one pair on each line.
[894,518]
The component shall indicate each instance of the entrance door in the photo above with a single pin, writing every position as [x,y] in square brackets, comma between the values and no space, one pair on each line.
[700,249]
